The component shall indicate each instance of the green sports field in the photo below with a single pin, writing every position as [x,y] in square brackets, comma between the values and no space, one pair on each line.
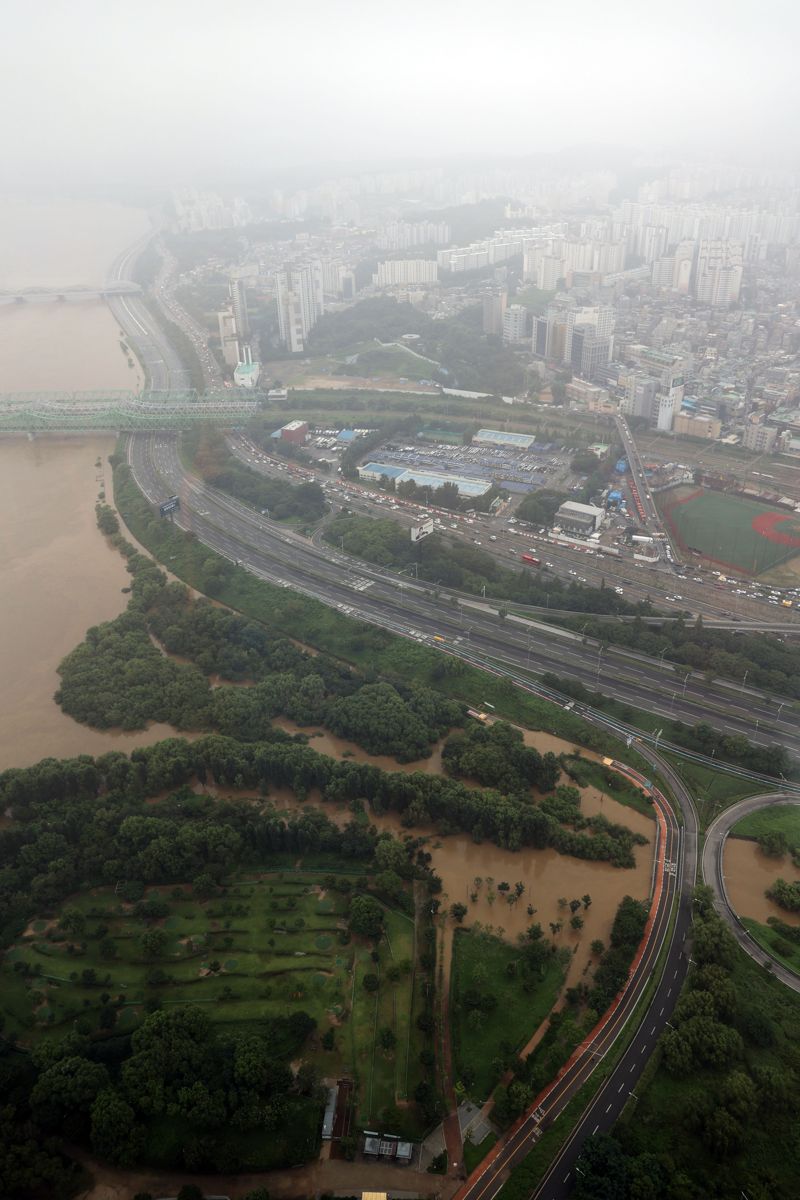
[734,532]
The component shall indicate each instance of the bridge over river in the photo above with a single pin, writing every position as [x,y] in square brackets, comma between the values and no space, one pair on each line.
[76,291]
[122,411]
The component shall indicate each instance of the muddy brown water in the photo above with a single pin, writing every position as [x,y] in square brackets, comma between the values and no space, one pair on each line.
[748,873]
[59,576]
[69,345]
[547,875]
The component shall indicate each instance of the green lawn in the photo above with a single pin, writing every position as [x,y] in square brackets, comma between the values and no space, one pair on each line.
[474,1154]
[720,526]
[481,962]
[713,791]
[269,945]
[779,818]
[588,773]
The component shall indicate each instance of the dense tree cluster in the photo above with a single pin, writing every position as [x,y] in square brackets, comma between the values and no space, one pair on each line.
[718,1120]
[496,756]
[539,508]
[785,894]
[119,677]
[86,822]
[210,456]
[467,358]
[456,564]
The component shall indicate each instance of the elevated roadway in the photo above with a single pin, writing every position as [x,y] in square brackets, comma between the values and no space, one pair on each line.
[714,876]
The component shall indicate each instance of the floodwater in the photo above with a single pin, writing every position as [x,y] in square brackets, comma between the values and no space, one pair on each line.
[748,873]
[65,345]
[59,576]
[468,869]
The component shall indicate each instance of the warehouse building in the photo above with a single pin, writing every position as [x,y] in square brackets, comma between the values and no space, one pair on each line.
[498,437]
[579,518]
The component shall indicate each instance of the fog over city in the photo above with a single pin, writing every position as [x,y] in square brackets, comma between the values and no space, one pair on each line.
[163,93]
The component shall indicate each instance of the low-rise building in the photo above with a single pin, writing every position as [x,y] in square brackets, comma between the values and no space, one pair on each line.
[695,425]
[579,518]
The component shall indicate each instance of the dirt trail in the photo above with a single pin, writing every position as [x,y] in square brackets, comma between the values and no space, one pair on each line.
[331,1175]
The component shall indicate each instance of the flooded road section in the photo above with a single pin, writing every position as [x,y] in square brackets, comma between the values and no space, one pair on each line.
[58,576]
[748,873]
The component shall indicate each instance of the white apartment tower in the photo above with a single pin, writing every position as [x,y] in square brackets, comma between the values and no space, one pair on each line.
[300,299]
[718,272]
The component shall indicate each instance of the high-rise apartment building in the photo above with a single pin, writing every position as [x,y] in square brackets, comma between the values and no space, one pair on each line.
[515,325]
[718,272]
[397,272]
[300,299]
[228,337]
[238,296]
[494,308]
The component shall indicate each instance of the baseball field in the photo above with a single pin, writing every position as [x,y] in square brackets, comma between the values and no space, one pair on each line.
[740,534]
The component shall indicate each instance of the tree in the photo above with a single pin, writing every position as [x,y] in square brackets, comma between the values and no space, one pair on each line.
[73,921]
[153,943]
[458,911]
[114,1132]
[576,921]
[63,1095]
[370,983]
[387,1039]
[366,916]
[597,947]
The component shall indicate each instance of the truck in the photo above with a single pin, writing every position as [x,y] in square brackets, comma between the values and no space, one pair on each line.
[531,561]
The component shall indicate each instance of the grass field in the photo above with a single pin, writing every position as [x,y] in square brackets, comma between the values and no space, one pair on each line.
[774,943]
[712,791]
[270,945]
[779,818]
[481,962]
[734,532]
[475,1153]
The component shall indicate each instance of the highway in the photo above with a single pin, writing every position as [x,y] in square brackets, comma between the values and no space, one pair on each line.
[506,541]
[676,864]
[714,876]
[471,630]
[469,626]
[163,366]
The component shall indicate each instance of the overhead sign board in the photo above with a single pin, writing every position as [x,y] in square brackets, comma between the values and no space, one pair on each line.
[169,506]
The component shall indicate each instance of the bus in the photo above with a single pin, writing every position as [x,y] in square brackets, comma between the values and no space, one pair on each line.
[531,561]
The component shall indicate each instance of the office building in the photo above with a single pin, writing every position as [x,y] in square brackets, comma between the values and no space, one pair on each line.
[696,426]
[300,300]
[761,438]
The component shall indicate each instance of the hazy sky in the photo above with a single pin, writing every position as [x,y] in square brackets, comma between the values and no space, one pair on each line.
[162,88]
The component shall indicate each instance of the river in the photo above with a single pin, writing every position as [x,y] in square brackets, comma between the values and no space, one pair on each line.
[66,345]
[58,577]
